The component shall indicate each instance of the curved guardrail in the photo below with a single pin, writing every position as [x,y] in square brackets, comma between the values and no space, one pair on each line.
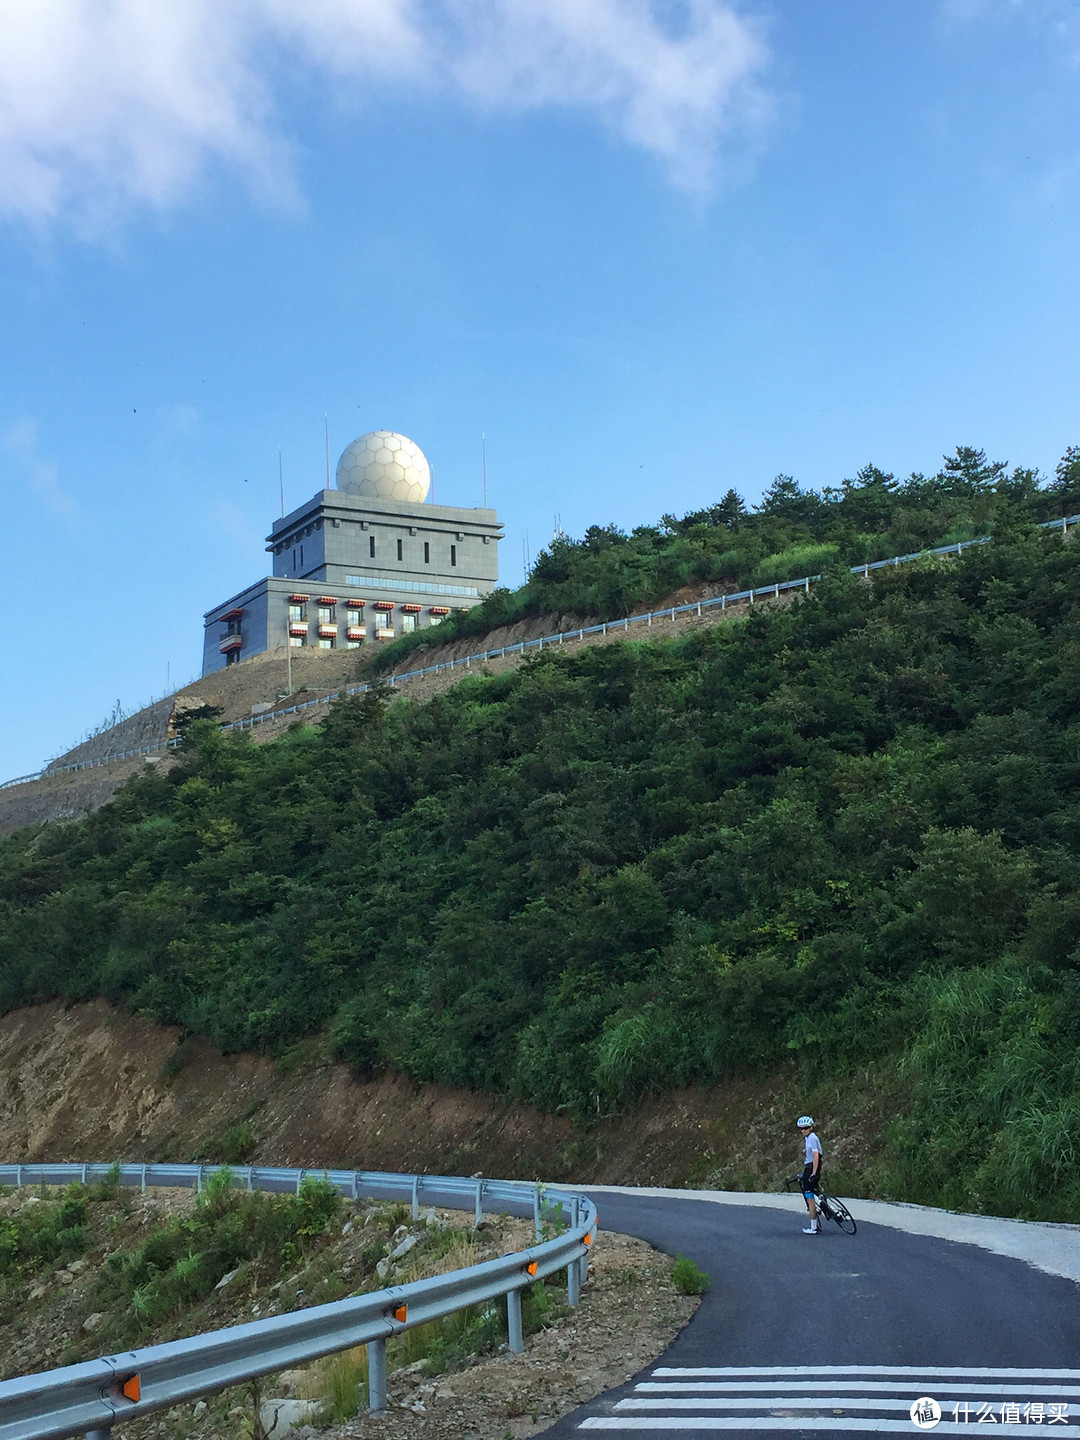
[89,1399]
[762,592]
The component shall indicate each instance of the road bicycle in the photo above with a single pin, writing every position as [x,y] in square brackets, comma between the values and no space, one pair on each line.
[829,1208]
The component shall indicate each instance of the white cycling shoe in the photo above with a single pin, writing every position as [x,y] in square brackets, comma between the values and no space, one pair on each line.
[810,1230]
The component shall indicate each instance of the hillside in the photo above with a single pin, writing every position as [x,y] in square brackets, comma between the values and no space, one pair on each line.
[839,837]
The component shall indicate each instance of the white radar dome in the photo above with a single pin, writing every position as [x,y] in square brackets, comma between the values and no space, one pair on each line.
[384,466]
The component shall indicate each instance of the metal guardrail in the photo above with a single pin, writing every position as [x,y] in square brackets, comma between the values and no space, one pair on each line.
[669,612]
[92,1397]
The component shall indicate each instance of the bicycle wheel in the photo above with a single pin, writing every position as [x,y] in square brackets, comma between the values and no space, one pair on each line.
[839,1212]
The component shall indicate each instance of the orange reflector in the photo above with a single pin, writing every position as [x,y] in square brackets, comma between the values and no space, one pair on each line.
[131,1387]
[532,1267]
[588,1239]
[401,1313]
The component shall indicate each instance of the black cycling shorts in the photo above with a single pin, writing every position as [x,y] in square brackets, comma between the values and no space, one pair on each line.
[810,1182]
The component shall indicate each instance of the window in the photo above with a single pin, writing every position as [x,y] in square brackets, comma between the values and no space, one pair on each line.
[427,553]
[355,615]
[233,627]
[294,559]
[325,643]
[296,612]
[326,614]
[371,546]
[453,554]
[422,587]
[408,624]
[399,554]
[296,641]
[301,557]
[233,657]
[436,620]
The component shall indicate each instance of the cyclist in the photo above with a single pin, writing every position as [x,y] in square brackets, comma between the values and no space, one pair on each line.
[810,1180]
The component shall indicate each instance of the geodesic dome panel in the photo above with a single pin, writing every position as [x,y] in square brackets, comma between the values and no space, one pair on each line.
[384,466]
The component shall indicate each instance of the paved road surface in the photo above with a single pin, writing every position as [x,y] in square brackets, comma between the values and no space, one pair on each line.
[806,1335]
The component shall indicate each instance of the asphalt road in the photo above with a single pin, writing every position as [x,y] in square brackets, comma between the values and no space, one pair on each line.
[803,1335]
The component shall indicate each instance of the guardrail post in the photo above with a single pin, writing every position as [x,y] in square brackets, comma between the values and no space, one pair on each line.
[514,1333]
[478,1212]
[415,1196]
[299,1180]
[376,1373]
[142,1181]
[723,602]
[98,1434]
[538,1224]
[573,1283]
[355,1179]
[18,1177]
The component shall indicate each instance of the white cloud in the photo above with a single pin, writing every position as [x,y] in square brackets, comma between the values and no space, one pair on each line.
[105,104]
[20,440]
[1056,21]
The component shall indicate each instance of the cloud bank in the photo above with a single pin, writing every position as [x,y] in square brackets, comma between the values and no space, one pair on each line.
[110,104]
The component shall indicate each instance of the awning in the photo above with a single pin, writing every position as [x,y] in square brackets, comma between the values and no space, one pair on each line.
[327,632]
[298,599]
[233,642]
[439,610]
[298,629]
[384,605]
[326,599]
[413,609]
[232,615]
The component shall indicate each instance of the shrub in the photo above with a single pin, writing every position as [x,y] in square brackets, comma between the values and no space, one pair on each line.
[688,1278]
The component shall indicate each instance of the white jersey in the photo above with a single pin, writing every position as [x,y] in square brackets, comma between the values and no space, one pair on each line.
[813,1146]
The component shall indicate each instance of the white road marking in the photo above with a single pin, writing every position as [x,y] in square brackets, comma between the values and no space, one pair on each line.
[710,1387]
[686,1398]
[729,1372]
[801,1422]
[786,1403]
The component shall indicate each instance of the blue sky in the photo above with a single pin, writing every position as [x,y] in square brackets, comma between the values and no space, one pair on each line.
[651,250]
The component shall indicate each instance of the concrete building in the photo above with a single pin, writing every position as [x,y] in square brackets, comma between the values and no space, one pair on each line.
[360,563]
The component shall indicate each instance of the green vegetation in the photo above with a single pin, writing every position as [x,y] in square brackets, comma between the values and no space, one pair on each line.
[841,834]
[687,1276]
[183,1260]
[793,532]
[41,1233]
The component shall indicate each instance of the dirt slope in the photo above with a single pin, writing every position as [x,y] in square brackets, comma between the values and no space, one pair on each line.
[93,1083]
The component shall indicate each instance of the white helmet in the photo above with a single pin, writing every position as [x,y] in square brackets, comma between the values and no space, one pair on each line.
[803,1121]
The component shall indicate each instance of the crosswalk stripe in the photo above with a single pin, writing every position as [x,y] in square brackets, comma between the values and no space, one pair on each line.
[730,1371]
[712,1387]
[872,1399]
[779,1402]
[794,1422]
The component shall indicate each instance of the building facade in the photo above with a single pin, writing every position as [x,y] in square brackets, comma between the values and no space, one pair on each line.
[353,569]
